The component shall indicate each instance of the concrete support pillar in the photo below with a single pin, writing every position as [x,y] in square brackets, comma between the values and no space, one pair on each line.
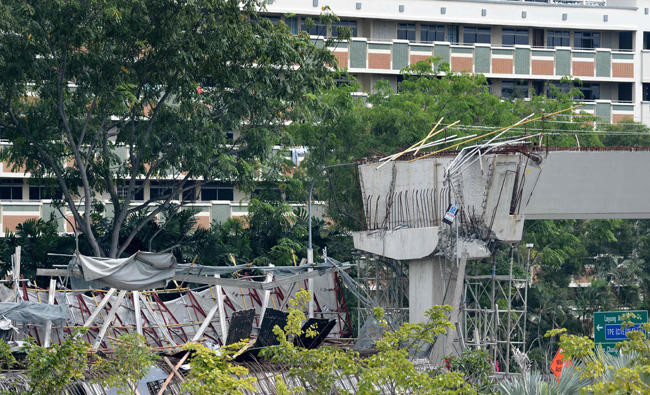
[436,280]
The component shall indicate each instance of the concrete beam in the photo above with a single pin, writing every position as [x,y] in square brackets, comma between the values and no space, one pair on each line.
[592,185]
[409,243]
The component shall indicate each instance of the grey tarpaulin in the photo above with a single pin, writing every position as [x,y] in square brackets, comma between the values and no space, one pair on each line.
[34,313]
[277,271]
[142,270]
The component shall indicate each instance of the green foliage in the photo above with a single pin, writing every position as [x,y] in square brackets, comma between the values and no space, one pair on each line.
[50,370]
[128,363]
[272,233]
[339,127]
[37,238]
[130,91]
[317,369]
[7,359]
[389,369]
[476,366]
[213,371]
[536,383]
[610,256]
[625,373]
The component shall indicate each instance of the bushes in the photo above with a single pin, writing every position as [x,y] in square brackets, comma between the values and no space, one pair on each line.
[476,366]
[389,369]
[593,371]
[50,370]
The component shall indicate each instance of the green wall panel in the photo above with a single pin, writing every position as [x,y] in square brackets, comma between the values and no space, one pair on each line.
[562,62]
[522,60]
[220,212]
[626,56]
[603,64]
[358,54]
[623,107]
[400,55]
[15,208]
[442,51]
[482,59]
[604,111]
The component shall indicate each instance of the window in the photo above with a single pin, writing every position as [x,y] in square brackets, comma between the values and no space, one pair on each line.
[646,40]
[625,41]
[318,29]
[123,190]
[267,194]
[557,38]
[11,189]
[431,33]
[555,88]
[406,31]
[40,192]
[586,40]
[514,89]
[342,80]
[646,92]
[292,22]
[160,190]
[352,25]
[591,91]
[273,18]
[216,192]
[625,91]
[452,34]
[190,195]
[472,35]
[538,38]
[512,37]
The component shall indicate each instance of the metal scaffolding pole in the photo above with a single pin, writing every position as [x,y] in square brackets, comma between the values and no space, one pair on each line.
[386,282]
[489,326]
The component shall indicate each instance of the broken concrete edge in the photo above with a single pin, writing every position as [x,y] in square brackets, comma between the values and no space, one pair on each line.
[418,243]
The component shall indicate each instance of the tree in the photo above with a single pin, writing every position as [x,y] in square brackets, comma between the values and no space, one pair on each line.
[129,362]
[215,371]
[50,370]
[340,127]
[389,370]
[37,238]
[105,96]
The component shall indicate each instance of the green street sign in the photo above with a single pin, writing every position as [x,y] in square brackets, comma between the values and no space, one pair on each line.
[608,347]
[608,330]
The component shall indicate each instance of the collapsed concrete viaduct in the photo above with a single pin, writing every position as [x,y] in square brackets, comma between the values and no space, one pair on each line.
[404,202]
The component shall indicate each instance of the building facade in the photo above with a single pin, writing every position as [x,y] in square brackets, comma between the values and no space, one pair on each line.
[23,197]
[519,45]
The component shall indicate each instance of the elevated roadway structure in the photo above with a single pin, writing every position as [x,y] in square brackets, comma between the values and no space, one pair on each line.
[405,200]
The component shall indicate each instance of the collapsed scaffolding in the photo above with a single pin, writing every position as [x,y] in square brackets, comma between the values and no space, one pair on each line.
[168,317]
[385,281]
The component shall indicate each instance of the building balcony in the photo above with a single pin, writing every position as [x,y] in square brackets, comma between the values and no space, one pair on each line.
[524,62]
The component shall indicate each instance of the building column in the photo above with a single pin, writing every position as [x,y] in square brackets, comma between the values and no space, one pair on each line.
[436,280]
[637,95]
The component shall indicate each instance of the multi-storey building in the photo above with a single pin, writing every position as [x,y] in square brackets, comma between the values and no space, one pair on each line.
[22,197]
[519,45]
